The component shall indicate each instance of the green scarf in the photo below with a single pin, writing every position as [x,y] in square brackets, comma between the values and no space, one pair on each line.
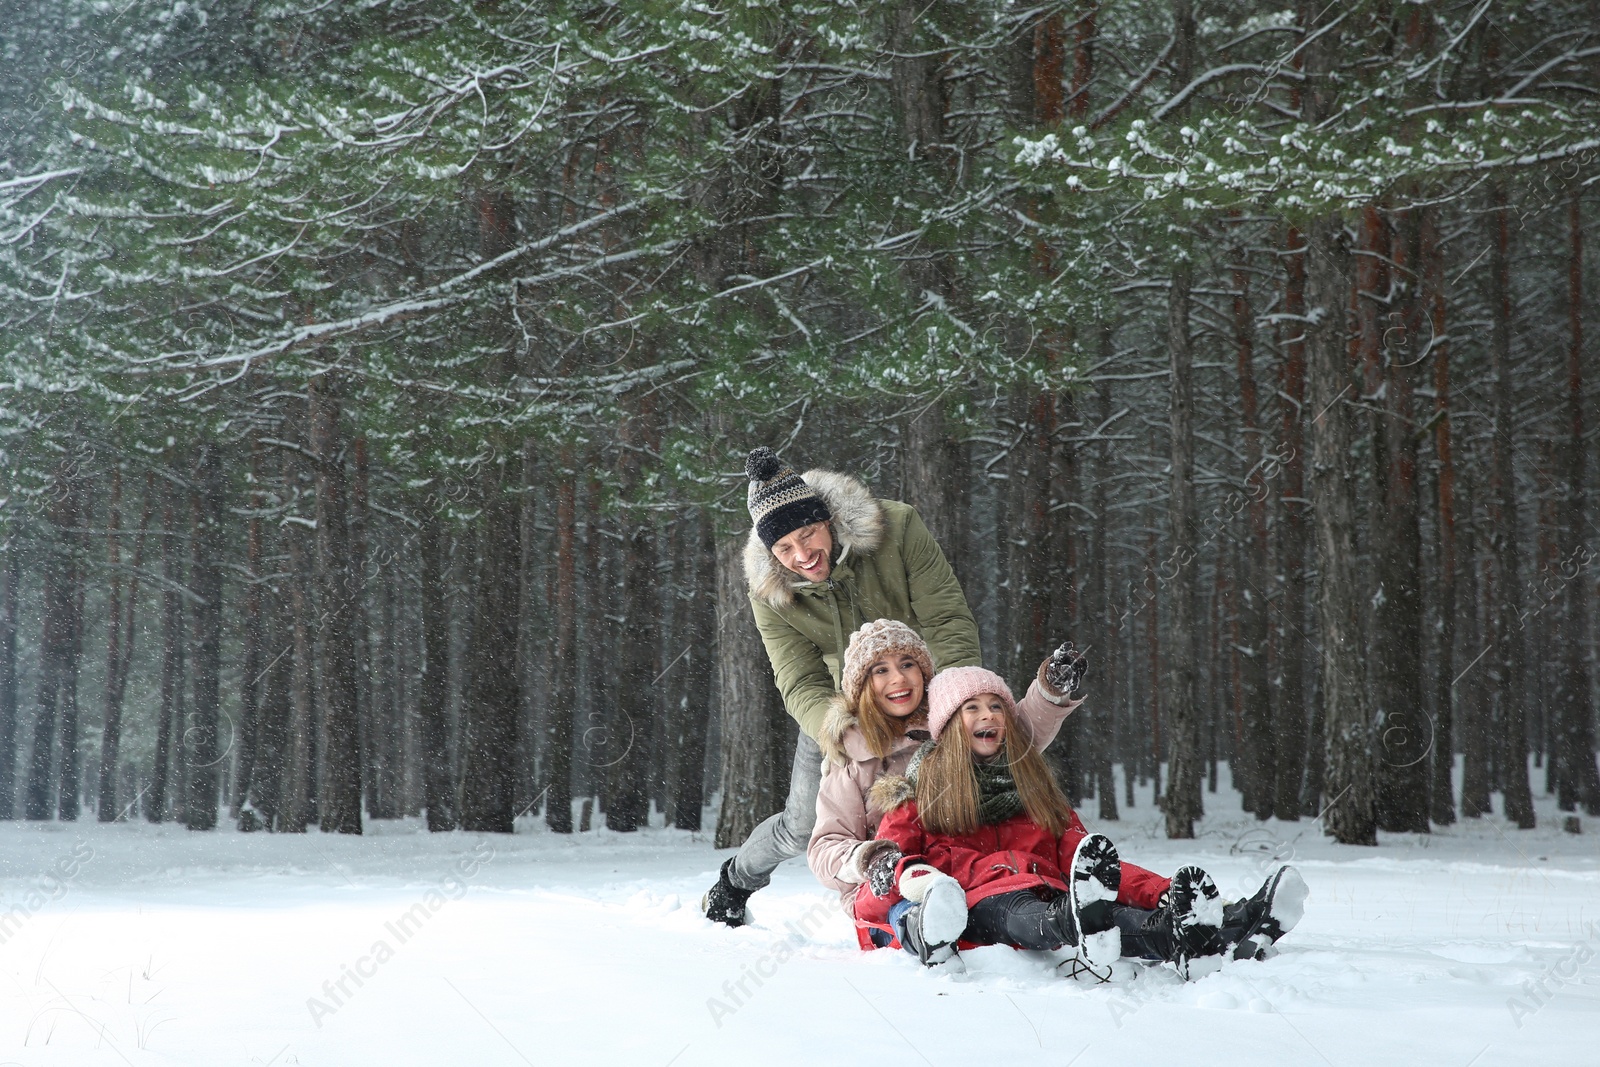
[998,799]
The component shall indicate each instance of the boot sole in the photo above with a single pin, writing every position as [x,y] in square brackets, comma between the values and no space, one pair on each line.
[1196,915]
[1096,875]
[944,913]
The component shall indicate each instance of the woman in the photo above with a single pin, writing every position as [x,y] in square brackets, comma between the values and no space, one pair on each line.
[875,725]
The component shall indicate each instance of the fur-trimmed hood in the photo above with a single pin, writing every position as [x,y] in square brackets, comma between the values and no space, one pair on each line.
[841,739]
[858,522]
[841,719]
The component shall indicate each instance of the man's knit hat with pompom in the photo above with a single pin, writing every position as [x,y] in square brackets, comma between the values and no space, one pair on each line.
[880,637]
[780,500]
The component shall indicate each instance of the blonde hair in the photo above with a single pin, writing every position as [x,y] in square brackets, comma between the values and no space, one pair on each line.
[947,784]
[879,729]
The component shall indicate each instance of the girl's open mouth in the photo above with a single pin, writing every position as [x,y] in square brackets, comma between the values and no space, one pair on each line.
[903,694]
[988,734]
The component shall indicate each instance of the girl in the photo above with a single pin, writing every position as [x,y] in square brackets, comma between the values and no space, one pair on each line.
[873,728]
[978,812]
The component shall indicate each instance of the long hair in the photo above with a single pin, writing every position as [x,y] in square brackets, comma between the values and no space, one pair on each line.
[879,729]
[947,784]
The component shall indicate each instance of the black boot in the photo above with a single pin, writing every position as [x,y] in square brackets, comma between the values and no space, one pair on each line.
[725,902]
[1185,926]
[931,929]
[1253,925]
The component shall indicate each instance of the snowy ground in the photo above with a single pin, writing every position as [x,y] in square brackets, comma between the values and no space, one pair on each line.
[140,945]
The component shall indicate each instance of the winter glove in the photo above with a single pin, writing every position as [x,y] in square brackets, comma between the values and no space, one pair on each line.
[880,871]
[1062,674]
[917,879]
[861,857]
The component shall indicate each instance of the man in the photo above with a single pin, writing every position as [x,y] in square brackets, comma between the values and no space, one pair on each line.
[823,558]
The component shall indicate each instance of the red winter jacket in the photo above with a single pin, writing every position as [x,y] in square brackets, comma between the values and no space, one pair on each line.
[1008,856]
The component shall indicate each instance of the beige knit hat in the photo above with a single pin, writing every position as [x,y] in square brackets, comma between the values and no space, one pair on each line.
[877,638]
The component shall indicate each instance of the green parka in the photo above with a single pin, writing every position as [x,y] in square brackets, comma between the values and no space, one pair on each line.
[886,566]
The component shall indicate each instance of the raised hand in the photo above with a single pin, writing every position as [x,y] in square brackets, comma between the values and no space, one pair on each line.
[1064,670]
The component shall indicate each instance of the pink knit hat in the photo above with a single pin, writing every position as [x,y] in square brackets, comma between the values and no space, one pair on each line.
[954,687]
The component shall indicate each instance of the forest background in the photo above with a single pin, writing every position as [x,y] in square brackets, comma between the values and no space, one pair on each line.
[376,380]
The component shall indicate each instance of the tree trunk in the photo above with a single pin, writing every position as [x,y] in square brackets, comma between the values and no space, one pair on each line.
[171,657]
[265,794]
[751,712]
[386,714]
[1442,792]
[253,660]
[119,649]
[55,651]
[367,726]
[1063,578]
[339,787]
[489,726]
[1503,512]
[1102,718]
[932,479]
[1153,643]
[1351,815]
[300,765]
[1289,714]
[1183,803]
[700,675]
[533,667]
[1579,779]
[1259,757]
[1475,739]
[207,546]
[11,577]
[627,759]
[433,690]
[564,691]
[1403,731]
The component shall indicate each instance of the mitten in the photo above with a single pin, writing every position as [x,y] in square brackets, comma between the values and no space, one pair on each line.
[880,871]
[1062,674]
[917,879]
[861,857]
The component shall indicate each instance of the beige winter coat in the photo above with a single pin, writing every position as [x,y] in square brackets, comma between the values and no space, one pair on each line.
[845,816]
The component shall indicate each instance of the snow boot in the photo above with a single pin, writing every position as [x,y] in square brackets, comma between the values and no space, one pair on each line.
[932,928]
[725,902]
[1253,925]
[1084,914]
[1186,924]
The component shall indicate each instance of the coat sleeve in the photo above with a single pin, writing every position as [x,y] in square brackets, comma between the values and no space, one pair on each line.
[841,826]
[797,667]
[1041,717]
[942,615]
[902,826]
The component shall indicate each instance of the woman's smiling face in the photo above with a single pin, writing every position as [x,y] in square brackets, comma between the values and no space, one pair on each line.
[984,719]
[896,683]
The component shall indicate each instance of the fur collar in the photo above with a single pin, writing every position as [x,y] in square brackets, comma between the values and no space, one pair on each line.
[857,528]
[891,791]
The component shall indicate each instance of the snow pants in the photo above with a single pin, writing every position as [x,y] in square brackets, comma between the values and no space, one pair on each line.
[1021,919]
[786,834]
